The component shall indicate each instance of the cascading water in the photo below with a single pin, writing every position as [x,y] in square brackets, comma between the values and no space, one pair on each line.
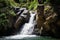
[27,29]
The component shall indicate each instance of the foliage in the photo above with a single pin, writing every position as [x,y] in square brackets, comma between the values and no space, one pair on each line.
[29,4]
[6,10]
[33,5]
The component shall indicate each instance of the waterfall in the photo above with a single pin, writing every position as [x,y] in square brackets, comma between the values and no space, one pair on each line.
[28,27]
[26,30]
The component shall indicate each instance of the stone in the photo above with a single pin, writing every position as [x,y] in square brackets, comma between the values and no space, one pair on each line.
[48,22]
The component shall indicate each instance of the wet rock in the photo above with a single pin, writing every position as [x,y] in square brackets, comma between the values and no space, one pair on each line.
[40,20]
[26,15]
[23,18]
[48,23]
[51,25]
[15,22]
[18,10]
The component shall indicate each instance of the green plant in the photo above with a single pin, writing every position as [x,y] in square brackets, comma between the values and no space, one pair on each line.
[6,12]
[29,4]
[33,5]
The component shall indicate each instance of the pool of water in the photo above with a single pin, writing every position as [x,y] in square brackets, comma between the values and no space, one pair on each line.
[33,38]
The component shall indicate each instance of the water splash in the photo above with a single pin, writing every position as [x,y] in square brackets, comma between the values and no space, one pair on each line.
[20,36]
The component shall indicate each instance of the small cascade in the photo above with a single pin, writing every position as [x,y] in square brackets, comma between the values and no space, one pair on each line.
[28,27]
[26,30]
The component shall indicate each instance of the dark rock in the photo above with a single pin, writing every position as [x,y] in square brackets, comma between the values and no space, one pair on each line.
[48,23]
[23,18]
[16,10]
[20,10]
[15,23]
[26,15]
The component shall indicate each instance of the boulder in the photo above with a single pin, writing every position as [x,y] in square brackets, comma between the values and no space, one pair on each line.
[40,19]
[22,18]
[15,23]
[48,23]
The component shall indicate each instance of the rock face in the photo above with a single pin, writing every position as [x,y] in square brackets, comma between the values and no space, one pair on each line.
[22,18]
[40,19]
[15,22]
[48,22]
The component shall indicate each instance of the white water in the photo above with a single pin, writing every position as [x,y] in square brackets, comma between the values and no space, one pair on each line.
[20,36]
[27,29]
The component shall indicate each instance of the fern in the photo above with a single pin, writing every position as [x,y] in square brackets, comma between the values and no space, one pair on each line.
[33,5]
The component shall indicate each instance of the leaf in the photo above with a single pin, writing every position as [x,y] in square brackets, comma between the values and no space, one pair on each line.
[12,12]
